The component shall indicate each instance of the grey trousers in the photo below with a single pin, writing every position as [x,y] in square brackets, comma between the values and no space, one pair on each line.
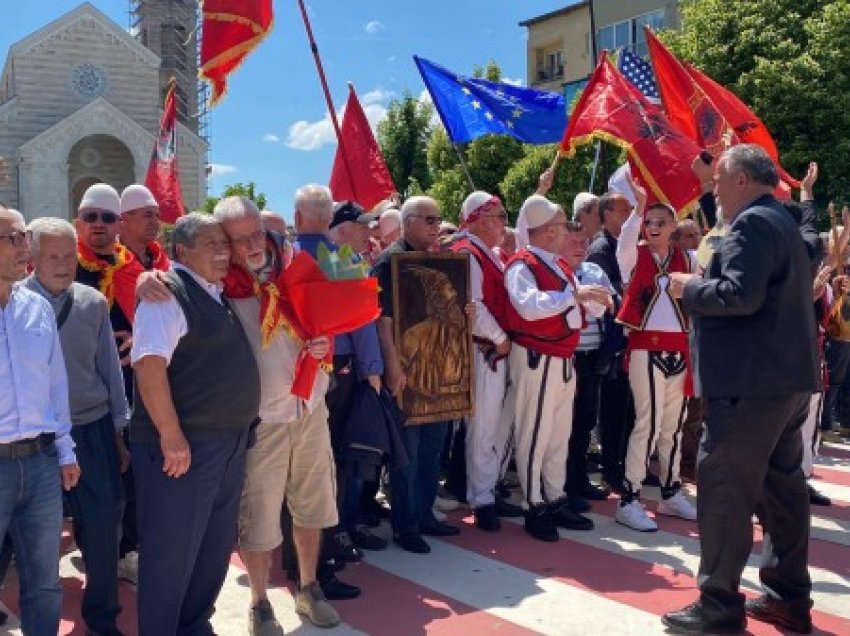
[750,462]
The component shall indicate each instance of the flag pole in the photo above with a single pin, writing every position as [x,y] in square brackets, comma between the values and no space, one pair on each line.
[331,110]
[593,62]
[464,166]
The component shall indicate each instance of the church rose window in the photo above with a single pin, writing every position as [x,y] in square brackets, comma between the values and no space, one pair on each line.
[88,80]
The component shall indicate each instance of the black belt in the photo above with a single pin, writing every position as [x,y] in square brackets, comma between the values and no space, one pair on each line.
[26,447]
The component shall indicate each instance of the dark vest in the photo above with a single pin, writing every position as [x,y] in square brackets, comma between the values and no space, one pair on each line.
[215,384]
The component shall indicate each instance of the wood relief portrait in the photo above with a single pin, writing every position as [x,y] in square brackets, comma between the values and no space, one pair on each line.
[433,335]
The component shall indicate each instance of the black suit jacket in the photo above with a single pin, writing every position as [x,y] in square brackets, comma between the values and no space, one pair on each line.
[753,323]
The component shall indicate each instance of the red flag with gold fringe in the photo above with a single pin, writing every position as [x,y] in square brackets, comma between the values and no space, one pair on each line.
[610,108]
[360,174]
[163,177]
[231,29]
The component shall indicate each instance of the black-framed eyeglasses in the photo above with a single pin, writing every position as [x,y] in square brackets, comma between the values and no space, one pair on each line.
[429,220]
[15,238]
[503,216]
[105,216]
[655,223]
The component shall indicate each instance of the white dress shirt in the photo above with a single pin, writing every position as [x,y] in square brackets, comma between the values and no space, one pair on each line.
[34,394]
[159,326]
[663,316]
[485,324]
[534,304]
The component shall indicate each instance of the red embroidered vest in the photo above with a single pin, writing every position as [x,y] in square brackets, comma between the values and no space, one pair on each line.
[643,290]
[552,336]
[495,296]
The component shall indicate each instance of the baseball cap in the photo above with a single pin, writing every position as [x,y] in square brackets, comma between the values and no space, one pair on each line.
[349,211]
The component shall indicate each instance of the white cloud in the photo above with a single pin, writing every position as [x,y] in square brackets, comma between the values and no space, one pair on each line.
[309,136]
[271,138]
[221,169]
[373,26]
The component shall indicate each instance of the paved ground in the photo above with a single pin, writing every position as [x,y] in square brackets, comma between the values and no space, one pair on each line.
[610,581]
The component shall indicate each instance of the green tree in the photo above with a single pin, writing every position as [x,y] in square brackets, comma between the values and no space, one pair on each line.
[787,60]
[403,137]
[248,190]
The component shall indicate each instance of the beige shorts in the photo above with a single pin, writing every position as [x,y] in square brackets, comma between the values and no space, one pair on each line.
[294,461]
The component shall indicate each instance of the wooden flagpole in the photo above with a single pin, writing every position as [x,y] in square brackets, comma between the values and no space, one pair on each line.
[321,71]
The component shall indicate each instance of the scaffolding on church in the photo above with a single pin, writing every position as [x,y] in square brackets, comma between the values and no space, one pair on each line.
[171,29]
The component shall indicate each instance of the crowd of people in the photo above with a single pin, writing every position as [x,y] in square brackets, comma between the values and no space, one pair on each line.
[153,386]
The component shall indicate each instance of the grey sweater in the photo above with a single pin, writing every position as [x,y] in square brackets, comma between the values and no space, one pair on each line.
[95,383]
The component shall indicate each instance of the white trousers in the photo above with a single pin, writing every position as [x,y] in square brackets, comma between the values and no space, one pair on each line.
[660,409]
[811,433]
[488,432]
[543,395]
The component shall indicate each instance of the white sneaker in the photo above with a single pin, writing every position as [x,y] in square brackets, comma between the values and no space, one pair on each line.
[633,515]
[439,515]
[128,568]
[677,506]
[444,504]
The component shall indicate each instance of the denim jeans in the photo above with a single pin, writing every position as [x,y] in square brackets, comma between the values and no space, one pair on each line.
[31,510]
[414,487]
[96,504]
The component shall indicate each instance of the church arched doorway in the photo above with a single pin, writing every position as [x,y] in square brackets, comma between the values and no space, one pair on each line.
[98,159]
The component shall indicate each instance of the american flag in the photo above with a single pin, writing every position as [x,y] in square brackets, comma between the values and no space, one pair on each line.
[639,72]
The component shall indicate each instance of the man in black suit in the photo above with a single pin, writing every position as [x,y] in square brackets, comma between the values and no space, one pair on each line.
[756,362]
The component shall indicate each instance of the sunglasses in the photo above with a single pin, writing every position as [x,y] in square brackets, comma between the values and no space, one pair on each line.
[105,216]
[15,238]
[655,222]
[429,220]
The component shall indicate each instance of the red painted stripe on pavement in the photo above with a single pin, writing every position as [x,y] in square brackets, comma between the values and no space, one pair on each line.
[391,605]
[650,587]
[837,477]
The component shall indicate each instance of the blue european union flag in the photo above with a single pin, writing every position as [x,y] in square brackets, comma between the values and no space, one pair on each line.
[471,107]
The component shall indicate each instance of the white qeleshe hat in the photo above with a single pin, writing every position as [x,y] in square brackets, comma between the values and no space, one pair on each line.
[101,196]
[535,212]
[135,197]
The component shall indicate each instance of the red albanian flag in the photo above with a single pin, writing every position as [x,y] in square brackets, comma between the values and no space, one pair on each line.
[610,108]
[748,127]
[231,29]
[686,103]
[163,179]
[364,177]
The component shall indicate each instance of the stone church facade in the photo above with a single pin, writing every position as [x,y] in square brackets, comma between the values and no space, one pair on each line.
[80,103]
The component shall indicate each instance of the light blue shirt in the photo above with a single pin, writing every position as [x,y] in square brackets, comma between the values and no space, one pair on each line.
[34,395]
[591,274]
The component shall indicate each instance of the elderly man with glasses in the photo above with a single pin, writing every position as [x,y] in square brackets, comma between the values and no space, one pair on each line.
[414,487]
[36,449]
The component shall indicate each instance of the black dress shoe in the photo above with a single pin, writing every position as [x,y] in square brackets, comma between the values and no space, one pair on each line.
[795,616]
[487,519]
[412,542]
[439,529]
[336,590]
[365,540]
[595,493]
[578,504]
[563,516]
[538,523]
[817,498]
[505,508]
[690,620]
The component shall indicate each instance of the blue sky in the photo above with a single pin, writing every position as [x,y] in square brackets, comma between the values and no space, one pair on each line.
[273,127]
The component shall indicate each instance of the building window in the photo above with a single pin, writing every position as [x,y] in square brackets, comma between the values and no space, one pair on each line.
[629,33]
[550,64]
